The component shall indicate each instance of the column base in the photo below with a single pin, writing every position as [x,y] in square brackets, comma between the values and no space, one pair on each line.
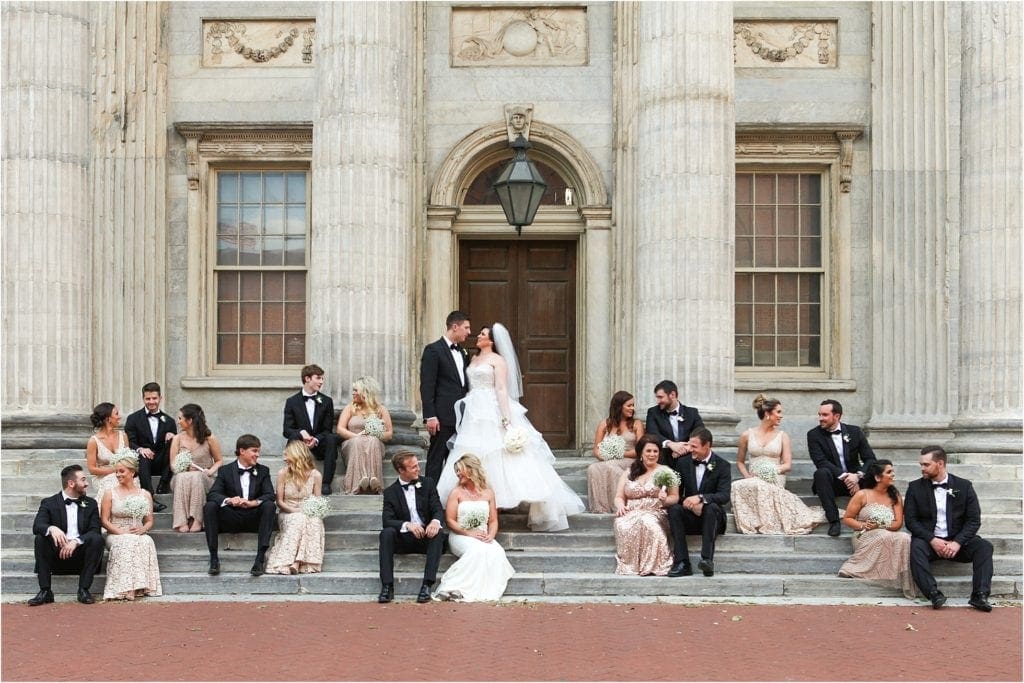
[997,434]
[34,431]
[406,436]
[902,440]
[722,425]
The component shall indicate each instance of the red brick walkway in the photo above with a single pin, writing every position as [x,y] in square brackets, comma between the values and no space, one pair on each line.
[442,642]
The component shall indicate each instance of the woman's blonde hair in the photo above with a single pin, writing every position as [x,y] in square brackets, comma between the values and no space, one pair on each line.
[473,469]
[298,467]
[369,389]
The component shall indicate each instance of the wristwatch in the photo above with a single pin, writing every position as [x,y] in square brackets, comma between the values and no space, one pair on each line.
[701,497]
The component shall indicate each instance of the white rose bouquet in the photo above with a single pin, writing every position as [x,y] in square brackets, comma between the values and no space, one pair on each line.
[136,507]
[764,469]
[374,426]
[612,447]
[182,462]
[882,515]
[316,506]
[515,440]
[666,478]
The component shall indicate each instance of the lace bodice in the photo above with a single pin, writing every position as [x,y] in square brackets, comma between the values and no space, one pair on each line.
[293,496]
[103,454]
[119,517]
[772,449]
[481,376]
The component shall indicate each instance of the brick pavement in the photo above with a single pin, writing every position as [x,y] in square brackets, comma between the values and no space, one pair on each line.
[317,641]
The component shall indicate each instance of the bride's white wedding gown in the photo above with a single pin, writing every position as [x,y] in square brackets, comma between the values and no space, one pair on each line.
[527,476]
[482,570]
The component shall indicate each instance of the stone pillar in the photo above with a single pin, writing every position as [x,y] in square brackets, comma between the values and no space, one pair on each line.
[989,417]
[684,177]
[128,193]
[361,293]
[46,244]
[913,223]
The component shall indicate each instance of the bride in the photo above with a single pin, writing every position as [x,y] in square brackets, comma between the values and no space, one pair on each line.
[491,407]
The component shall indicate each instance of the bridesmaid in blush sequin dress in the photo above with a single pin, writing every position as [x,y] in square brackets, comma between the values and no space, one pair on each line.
[299,544]
[190,488]
[603,476]
[641,522]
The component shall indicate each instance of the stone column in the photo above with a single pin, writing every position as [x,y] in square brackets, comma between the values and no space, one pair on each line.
[128,197]
[46,244]
[989,417]
[361,293]
[914,174]
[684,179]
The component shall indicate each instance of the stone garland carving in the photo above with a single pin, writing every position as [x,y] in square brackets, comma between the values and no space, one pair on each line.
[801,36]
[555,36]
[248,40]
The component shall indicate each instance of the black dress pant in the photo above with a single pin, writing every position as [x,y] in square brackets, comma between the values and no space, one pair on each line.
[327,451]
[232,520]
[977,551]
[393,542]
[709,524]
[159,466]
[437,452]
[828,487]
[85,561]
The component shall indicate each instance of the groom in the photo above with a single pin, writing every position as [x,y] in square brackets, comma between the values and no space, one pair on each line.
[150,431]
[442,383]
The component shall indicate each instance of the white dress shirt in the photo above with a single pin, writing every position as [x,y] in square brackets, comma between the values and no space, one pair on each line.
[941,496]
[701,471]
[457,357]
[837,439]
[410,500]
[154,425]
[310,407]
[72,532]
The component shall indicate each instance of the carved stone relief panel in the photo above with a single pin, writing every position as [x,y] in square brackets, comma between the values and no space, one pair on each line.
[258,42]
[519,36]
[785,44]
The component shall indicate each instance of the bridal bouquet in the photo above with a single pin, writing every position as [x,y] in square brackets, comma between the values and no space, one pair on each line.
[666,478]
[136,507]
[316,506]
[374,426]
[473,519]
[612,447]
[515,440]
[764,469]
[882,515]
[182,462]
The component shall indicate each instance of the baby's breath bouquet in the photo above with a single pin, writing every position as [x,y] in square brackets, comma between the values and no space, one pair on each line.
[765,469]
[473,519]
[515,440]
[666,478]
[126,455]
[374,426]
[882,515]
[316,506]
[612,447]
[136,507]
[182,462]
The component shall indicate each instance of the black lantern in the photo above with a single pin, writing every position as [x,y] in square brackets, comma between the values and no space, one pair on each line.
[520,187]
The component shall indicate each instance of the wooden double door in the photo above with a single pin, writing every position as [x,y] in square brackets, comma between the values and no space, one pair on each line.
[530,287]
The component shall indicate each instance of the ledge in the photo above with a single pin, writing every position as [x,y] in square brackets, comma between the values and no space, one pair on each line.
[809,384]
[253,382]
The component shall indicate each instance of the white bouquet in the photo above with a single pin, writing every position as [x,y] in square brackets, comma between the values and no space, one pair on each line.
[182,462]
[374,426]
[882,515]
[765,469]
[515,440]
[316,506]
[666,478]
[612,447]
[127,455]
[473,519]
[136,507]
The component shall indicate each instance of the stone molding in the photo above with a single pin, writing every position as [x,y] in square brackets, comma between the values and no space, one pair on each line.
[519,36]
[785,44]
[820,144]
[258,42]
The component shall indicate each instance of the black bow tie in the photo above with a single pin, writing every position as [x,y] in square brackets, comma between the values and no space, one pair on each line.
[243,470]
[701,462]
[156,414]
[838,431]
[943,485]
[71,501]
[411,483]
[454,347]
[310,398]
[673,412]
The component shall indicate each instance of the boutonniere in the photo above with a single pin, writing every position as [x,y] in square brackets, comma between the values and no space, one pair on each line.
[711,466]
[419,485]
[951,493]
[319,399]
[846,438]
[163,418]
[83,503]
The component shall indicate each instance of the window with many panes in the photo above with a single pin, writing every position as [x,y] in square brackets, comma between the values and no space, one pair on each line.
[780,269]
[260,268]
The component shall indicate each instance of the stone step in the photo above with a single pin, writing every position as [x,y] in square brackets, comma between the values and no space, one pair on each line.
[525,586]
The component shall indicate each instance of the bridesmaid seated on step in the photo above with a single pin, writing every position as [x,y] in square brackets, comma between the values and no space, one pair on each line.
[365,426]
[299,545]
[622,427]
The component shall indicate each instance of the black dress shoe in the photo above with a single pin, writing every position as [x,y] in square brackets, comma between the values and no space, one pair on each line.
[158,506]
[938,599]
[424,595]
[259,566]
[681,569]
[387,593]
[325,490]
[42,597]
[979,601]
[214,567]
[834,529]
[85,597]
[163,488]
[706,566]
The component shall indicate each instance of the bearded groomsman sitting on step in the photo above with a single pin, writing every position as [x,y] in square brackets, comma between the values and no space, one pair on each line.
[840,453]
[149,432]
[943,516]
[309,418]
[671,423]
[703,494]
[67,536]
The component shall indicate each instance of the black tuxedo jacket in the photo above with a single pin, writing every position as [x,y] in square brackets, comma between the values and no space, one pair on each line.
[856,449]
[963,513]
[440,383]
[296,418]
[659,426]
[228,484]
[396,509]
[716,486]
[54,512]
[140,436]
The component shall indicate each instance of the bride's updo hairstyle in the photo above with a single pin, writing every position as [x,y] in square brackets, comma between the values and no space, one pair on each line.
[471,466]
[194,413]
[764,405]
[100,414]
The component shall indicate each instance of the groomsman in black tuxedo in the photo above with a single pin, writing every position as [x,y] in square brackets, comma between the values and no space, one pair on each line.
[150,431]
[704,493]
[943,516]
[840,453]
[442,383]
[672,423]
[412,518]
[241,500]
[309,417]
[67,536]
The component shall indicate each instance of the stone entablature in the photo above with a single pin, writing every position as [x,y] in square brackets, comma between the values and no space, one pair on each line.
[261,42]
[785,44]
[519,36]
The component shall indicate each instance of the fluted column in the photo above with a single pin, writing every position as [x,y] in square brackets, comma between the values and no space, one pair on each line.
[361,302]
[989,417]
[684,178]
[914,118]
[128,183]
[46,242]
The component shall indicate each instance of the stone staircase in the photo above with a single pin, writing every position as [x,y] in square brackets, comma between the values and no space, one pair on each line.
[577,564]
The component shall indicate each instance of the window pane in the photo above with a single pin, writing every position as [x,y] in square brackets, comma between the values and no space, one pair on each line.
[295,251]
[250,224]
[251,187]
[273,349]
[787,352]
[227,348]
[227,286]
[764,221]
[249,251]
[295,349]
[295,286]
[764,287]
[227,251]
[744,351]
[788,192]
[810,252]
[227,317]
[764,252]
[787,287]
[764,351]
[744,252]
[273,220]
[273,187]
[227,187]
[810,348]
[296,188]
[250,286]
[296,220]
[294,318]
[273,251]
[249,351]
[810,220]
[788,220]
[273,318]
[764,188]
[249,317]
[810,288]
[744,188]
[764,319]
[744,220]
[744,319]
[273,286]
[744,290]
[227,219]
[810,189]
[786,319]
[789,256]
